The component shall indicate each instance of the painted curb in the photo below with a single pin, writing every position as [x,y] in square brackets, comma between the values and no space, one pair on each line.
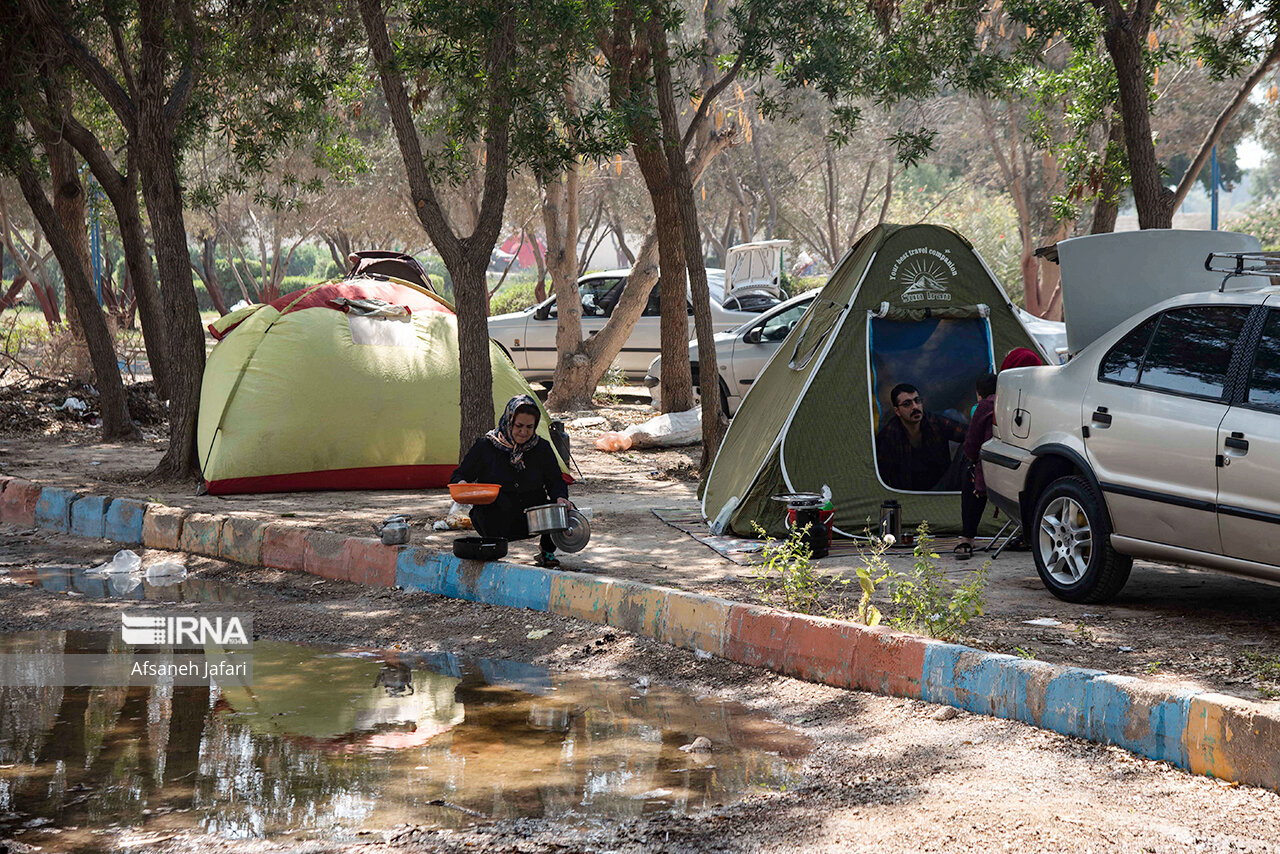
[1205,733]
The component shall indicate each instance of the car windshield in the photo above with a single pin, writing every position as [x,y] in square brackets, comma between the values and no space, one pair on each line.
[780,325]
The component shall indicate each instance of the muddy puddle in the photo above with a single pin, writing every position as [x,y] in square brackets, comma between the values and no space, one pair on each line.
[135,586]
[338,744]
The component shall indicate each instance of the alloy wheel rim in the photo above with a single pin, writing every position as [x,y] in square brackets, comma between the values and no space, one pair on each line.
[1065,541]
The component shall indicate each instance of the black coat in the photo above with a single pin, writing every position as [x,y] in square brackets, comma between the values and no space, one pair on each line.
[539,482]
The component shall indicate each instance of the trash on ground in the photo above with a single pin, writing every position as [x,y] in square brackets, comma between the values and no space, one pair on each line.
[124,562]
[591,421]
[72,404]
[166,572]
[701,744]
[1042,621]
[664,431]
[538,634]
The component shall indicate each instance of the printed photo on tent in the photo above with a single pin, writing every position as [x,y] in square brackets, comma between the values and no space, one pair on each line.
[942,358]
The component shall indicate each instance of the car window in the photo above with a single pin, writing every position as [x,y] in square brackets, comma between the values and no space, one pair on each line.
[653,308]
[599,296]
[1191,350]
[777,327]
[1264,379]
[1121,365]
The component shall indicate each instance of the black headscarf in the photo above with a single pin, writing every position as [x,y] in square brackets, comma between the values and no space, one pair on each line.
[501,435]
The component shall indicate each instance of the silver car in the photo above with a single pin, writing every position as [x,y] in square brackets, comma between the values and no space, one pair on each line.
[529,336]
[742,353]
[1160,440]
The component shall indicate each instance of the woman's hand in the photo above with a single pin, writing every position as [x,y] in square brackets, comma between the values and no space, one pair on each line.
[564,501]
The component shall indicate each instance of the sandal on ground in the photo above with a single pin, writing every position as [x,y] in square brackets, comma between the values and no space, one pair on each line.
[962,551]
[546,560]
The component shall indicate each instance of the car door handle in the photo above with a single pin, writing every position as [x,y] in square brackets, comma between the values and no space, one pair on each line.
[1101,417]
[1237,443]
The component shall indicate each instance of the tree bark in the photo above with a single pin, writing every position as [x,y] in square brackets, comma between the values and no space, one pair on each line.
[714,420]
[466,258]
[122,191]
[116,423]
[161,188]
[1125,36]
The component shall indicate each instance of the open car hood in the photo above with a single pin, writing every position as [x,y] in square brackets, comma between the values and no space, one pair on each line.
[754,268]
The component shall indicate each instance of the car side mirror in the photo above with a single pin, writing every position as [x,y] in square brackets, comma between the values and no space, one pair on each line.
[543,311]
[753,335]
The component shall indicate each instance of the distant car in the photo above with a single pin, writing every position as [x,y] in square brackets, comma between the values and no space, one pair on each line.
[742,353]
[529,336]
[1159,440]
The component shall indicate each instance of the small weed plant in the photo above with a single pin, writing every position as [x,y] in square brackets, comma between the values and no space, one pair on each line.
[613,378]
[927,602]
[786,572]
[874,570]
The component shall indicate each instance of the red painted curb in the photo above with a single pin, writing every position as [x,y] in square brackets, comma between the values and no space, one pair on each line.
[888,662]
[323,554]
[19,503]
[282,547]
[822,650]
[757,636]
[368,561]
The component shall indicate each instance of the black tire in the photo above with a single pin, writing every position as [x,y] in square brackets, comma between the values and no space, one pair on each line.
[1070,539]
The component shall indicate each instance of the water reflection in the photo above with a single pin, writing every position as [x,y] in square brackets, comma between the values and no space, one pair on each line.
[325,743]
[68,579]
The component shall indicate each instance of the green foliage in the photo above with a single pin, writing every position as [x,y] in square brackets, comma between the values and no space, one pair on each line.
[874,571]
[1263,222]
[786,573]
[613,378]
[987,220]
[516,297]
[927,602]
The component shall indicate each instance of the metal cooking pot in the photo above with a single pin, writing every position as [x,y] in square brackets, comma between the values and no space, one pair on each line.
[547,517]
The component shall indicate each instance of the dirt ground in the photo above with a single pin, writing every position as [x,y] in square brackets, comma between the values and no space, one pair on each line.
[1174,625]
[884,775]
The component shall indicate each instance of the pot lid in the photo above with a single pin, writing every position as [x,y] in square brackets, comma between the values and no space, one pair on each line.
[575,537]
[800,500]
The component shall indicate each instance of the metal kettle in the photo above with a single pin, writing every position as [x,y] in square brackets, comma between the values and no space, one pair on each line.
[394,530]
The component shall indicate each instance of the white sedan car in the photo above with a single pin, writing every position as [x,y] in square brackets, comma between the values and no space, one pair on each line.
[742,353]
[529,336]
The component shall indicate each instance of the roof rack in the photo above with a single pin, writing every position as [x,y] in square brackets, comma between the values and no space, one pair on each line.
[1265,264]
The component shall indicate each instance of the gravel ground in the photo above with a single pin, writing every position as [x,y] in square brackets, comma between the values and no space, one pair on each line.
[885,775]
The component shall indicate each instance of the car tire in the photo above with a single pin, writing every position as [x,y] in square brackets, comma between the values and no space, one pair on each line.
[1070,539]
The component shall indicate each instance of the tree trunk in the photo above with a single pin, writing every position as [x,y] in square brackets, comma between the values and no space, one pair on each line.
[69,205]
[142,277]
[475,371]
[714,422]
[163,194]
[116,423]
[1125,37]
[574,379]
[1105,207]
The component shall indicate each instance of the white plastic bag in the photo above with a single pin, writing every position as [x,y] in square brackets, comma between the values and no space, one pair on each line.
[165,573]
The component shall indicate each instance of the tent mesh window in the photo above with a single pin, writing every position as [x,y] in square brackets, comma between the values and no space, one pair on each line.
[941,357]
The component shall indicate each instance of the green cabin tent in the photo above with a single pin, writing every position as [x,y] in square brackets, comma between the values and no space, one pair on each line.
[912,304]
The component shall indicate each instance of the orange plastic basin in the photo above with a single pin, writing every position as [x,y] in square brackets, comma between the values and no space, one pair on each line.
[474,493]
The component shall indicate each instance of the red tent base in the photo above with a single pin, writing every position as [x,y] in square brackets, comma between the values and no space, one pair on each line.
[376,477]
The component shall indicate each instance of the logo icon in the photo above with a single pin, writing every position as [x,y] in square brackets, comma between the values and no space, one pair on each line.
[227,630]
[925,273]
[143,631]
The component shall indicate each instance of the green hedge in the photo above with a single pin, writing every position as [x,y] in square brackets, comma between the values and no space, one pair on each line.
[514,297]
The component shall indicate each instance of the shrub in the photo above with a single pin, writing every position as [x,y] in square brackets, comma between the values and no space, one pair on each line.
[929,603]
[786,572]
[513,297]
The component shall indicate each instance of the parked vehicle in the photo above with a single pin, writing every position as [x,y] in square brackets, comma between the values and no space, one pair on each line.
[530,336]
[742,353]
[1160,440]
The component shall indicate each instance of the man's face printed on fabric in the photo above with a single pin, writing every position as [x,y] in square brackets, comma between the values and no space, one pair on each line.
[910,408]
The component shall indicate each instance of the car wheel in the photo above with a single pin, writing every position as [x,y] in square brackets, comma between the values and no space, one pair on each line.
[1071,541]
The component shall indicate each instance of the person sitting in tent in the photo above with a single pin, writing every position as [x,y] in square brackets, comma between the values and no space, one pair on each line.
[524,465]
[913,447]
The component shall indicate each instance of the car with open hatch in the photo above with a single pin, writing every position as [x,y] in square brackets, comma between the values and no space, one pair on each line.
[1160,440]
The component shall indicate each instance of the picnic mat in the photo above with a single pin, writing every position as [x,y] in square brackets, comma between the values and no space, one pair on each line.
[740,549]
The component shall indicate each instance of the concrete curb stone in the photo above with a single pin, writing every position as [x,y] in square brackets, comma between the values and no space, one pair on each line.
[282,546]
[124,520]
[162,527]
[201,533]
[19,503]
[89,516]
[241,540]
[53,510]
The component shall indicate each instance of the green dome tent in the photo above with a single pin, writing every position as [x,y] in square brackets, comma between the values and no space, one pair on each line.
[912,304]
